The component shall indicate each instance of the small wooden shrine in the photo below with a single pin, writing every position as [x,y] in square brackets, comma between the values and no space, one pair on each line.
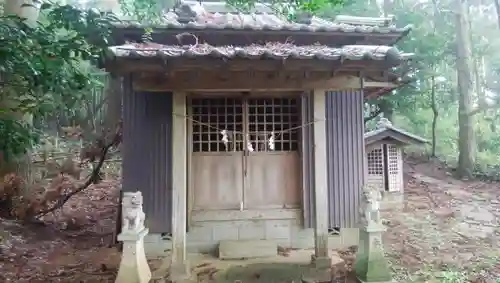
[244,131]
[384,158]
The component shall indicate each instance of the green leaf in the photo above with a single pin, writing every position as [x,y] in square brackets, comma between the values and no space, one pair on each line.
[45,6]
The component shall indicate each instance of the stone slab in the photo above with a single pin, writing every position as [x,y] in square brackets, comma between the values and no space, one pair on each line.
[361,281]
[243,249]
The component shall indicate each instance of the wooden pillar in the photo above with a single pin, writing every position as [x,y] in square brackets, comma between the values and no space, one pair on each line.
[179,265]
[320,178]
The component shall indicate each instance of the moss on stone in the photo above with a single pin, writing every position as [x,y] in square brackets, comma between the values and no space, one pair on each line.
[374,270]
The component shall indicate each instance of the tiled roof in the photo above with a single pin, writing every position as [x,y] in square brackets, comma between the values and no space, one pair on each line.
[276,51]
[385,126]
[217,15]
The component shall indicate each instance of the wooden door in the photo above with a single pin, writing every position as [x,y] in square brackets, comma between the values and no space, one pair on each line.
[394,172]
[273,175]
[376,166]
[245,153]
[217,158]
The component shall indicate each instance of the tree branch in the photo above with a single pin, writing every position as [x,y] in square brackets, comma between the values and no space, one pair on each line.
[93,178]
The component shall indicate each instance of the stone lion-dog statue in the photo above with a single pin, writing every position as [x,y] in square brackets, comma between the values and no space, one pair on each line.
[133,216]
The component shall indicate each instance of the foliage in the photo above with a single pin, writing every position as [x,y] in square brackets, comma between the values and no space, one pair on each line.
[151,11]
[144,11]
[289,8]
[42,65]
[432,40]
[17,137]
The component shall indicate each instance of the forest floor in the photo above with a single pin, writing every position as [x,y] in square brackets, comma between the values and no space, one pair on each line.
[447,232]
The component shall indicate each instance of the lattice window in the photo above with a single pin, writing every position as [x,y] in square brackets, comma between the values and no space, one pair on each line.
[376,162]
[394,171]
[213,115]
[392,155]
[273,115]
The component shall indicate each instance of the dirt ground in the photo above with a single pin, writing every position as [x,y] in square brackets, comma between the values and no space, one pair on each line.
[56,253]
[448,230]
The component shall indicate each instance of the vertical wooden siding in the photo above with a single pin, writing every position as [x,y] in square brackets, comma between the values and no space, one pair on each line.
[346,150]
[147,150]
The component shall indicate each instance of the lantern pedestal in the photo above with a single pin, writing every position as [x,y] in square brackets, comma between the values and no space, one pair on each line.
[134,267]
[371,265]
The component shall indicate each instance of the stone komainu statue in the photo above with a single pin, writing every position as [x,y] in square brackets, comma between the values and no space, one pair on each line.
[132,214]
[370,205]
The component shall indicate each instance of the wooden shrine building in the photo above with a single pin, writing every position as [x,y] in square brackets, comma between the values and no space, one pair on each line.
[246,129]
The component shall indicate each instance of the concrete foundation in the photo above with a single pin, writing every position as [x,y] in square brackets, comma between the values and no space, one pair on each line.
[283,226]
[245,249]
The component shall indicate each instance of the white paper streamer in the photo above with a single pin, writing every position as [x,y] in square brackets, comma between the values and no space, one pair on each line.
[225,137]
[249,145]
[271,142]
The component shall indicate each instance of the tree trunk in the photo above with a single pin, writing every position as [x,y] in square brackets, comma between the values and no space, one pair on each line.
[478,79]
[29,10]
[387,109]
[374,4]
[497,8]
[114,99]
[435,115]
[476,65]
[466,156]
[389,113]
[387,8]
[386,106]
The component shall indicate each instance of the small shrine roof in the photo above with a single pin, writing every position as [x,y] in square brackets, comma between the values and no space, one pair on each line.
[386,132]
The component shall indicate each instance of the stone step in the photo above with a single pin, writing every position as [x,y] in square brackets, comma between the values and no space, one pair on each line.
[243,249]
